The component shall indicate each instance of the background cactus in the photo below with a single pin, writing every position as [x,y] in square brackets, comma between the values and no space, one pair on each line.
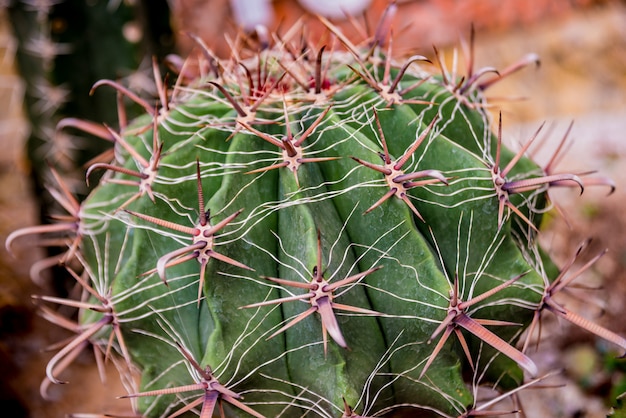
[50,53]
[63,48]
[215,142]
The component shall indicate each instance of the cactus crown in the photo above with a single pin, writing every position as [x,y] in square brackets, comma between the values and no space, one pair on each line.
[300,230]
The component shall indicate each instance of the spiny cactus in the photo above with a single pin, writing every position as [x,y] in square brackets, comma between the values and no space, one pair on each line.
[312,231]
[56,38]
[55,43]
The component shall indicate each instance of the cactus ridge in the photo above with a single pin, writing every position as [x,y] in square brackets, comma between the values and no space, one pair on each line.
[335,193]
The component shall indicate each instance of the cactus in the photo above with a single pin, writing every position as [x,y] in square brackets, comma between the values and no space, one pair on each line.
[55,38]
[303,232]
[63,47]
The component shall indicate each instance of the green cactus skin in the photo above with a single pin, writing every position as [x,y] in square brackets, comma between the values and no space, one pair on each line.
[260,258]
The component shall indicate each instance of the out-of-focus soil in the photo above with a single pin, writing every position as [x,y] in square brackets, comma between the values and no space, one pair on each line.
[582,77]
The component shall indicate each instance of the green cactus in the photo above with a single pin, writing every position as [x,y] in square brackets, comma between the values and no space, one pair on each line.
[56,41]
[63,47]
[302,236]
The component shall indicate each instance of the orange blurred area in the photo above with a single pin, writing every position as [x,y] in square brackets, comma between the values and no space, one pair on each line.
[418,24]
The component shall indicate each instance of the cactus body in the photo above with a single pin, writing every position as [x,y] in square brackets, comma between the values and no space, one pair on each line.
[293,248]
[275,235]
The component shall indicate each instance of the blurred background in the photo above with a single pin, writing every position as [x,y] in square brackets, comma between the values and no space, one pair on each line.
[52,51]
